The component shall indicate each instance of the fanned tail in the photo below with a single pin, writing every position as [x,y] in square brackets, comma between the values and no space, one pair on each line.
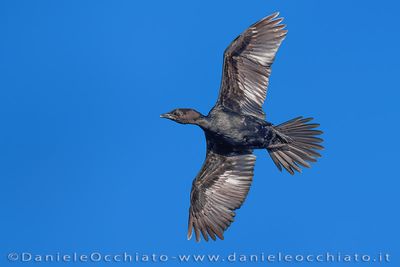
[295,144]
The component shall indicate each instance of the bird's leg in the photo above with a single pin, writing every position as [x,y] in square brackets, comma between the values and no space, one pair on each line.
[276,146]
[284,138]
[279,141]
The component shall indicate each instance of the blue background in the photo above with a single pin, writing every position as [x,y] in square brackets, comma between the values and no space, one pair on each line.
[86,164]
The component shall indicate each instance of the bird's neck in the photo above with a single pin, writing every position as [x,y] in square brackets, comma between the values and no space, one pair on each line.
[203,122]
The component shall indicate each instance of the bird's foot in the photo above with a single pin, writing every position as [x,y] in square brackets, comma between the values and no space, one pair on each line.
[284,138]
[276,146]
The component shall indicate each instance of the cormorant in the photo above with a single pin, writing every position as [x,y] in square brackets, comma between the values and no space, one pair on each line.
[236,126]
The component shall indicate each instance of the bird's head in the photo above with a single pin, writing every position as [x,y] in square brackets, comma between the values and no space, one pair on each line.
[183,116]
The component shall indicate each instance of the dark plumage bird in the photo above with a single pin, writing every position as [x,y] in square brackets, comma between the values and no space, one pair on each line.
[236,126]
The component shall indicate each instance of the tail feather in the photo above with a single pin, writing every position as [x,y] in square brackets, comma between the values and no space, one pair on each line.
[295,144]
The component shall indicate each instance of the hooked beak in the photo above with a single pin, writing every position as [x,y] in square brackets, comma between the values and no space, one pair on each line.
[167,116]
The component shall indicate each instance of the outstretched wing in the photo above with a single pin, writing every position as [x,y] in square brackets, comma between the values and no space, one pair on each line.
[220,188]
[247,66]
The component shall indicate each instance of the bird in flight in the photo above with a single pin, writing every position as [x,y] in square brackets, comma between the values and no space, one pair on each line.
[236,126]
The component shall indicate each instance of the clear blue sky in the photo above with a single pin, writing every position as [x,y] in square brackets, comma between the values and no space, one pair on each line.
[86,164]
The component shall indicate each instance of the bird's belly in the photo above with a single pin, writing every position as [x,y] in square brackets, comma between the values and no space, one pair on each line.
[249,138]
[237,129]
